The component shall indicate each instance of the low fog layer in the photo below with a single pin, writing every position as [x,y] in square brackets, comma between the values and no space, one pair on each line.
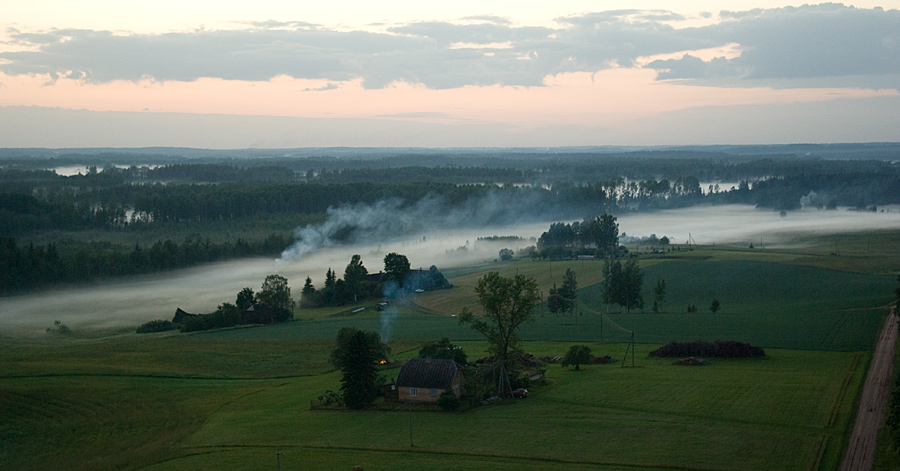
[200,290]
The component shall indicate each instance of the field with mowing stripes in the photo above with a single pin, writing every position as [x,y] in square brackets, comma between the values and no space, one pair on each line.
[788,411]
[232,399]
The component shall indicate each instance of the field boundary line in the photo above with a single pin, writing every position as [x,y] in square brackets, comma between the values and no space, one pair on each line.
[420,450]
[823,445]
[832,334]
[836,404]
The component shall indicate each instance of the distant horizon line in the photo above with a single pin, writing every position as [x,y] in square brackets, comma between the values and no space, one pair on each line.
[459,148]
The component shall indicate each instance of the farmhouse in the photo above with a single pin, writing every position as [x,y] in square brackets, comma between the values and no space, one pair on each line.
[424,379]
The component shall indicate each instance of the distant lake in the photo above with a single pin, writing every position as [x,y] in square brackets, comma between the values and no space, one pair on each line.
[69,170]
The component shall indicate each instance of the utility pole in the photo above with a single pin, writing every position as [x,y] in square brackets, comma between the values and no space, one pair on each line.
[278,460]
[601,327]
[410,427]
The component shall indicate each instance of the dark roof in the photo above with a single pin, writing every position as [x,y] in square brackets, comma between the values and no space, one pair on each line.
[259,314]
[428,373]
[181,315]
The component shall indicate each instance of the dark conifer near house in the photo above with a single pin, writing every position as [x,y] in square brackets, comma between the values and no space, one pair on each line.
[308,296]
[357,355]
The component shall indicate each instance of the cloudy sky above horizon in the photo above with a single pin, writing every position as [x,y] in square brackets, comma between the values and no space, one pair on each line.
[487,73]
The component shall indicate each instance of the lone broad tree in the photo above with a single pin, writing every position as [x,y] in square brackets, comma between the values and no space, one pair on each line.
[277,294]
[507,303]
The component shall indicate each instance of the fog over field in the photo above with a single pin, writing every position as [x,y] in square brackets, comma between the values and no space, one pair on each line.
[130,303]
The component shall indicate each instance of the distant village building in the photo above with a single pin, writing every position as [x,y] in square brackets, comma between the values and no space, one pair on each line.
[180,316]
[425,379]
[259,314]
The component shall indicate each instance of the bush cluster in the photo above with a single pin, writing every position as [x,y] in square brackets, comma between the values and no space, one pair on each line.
[719,348]
[159,325]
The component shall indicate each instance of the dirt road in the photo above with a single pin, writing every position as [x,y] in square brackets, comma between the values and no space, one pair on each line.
[861,453]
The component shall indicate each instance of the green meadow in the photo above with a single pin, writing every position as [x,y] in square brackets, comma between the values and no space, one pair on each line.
[240,398]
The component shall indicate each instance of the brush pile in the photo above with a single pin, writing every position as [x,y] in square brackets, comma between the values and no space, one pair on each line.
[717,349]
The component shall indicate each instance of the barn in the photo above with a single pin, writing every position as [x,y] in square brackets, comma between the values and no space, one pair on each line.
[425,379]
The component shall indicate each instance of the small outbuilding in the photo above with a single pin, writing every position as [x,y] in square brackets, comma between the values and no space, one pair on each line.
[180,316]
[259,314]
[425,379]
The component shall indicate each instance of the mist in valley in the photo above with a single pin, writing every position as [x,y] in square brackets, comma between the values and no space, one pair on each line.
[424,234]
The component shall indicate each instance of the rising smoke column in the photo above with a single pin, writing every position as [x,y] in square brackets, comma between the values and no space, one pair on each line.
[392,218]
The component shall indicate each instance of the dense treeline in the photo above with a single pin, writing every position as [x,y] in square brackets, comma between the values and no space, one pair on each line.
[358,284]
[23,214]
[40,200]
[229,195]
[35,266]
[220,173]
[43,209]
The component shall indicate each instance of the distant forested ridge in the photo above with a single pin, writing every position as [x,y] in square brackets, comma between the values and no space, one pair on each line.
[225,207]
[31,266]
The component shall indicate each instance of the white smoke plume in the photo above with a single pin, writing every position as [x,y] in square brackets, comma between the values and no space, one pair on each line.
[390,292]
[812,200]
[391,219]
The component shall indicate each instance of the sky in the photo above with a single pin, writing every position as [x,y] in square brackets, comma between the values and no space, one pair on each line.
[284,74]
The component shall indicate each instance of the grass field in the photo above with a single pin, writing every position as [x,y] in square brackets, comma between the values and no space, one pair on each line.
[768,303]
[232,399]
[788,411]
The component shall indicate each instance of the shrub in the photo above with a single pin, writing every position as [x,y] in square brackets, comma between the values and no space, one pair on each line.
[157,325]
[448,401]
[331,398]
[60,328]
[577,355]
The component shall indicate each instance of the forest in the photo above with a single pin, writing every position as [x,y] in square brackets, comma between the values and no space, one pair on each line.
[136,212]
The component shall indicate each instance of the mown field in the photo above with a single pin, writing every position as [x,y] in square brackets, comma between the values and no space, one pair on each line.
[233,399]
[788,411]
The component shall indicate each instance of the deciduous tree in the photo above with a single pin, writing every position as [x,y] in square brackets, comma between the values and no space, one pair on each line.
[507,303]
[397,267]
[245,298]
[577,355]
[659,293]
[622,284]
[276,293]
[443,349]
[604,231]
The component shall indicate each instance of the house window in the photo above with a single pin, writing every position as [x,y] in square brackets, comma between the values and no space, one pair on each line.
[433,393]
[413,391]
